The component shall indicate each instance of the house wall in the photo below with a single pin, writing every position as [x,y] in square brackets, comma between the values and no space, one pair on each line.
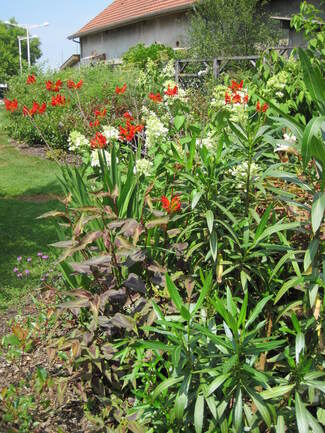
[168,30]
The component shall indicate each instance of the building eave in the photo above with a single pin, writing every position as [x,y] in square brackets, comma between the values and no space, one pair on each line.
[133,20]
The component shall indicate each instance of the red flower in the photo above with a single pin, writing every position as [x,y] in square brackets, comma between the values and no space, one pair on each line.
[236,86]
[245,100]
[11,105]
[129,131]
[51,87]
[36,109]
[171,92]
[31,79]
[128,116]
[58,100]
[99,113]
[227,98]
[172,206]
[236,99]
[155,97]
[98,142]
[94,124]
[263,108]
[72,85]
[42,108]
[120,90]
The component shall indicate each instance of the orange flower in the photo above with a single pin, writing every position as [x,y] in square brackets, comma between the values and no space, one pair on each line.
[172,206]
[42,108]
[99,113]
[11,105]
[36,109]
[120,90]
[128,116]
[58,100]
[94,124]
[263,108]
[129,131]
[236,86]
[236,99]
[72,85]
[31,79]
[155,97]
[171,92]
[51,87]
[227,98]
[98,142]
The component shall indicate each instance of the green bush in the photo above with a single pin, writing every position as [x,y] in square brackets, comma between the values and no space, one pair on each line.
[140,54]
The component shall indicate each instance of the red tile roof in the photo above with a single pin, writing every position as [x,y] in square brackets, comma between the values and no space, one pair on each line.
[126,11]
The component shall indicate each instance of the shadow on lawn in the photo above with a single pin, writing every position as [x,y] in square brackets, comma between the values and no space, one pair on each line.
[21,234]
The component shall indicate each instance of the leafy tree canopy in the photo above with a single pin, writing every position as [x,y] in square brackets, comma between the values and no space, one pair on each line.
[231,27]
[9,52]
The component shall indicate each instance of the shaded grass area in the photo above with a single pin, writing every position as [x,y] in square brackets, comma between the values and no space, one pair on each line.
[26,184]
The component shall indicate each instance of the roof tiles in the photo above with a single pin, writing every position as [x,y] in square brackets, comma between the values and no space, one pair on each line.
[125,11]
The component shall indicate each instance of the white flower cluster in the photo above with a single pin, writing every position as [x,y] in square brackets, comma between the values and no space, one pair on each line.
[290,138]
[238,112]
[277,84]
[110,133]
[155,130]
[143,166]
[288,145]
[169,69]
[95,157]
[240,173]
[208,141]
[77,141]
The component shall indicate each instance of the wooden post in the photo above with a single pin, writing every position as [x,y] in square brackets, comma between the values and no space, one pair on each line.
[177,72]
[215,68]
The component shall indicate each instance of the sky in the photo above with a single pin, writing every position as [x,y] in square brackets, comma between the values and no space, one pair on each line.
[65,18]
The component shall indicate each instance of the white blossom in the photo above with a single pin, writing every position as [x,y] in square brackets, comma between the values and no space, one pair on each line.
[155,130]
[290,138]
[143,166]
[95,157]
[110,133]
[77,141]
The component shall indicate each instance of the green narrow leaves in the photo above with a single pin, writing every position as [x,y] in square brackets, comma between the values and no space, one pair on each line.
[175,296]
[301,415]
[210,218]
[199,413]
[216,383]
[165,385]
[317,211]
[214,245]
[277,391]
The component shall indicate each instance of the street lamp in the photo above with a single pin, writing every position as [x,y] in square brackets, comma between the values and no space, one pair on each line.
[22,38]
[27,28]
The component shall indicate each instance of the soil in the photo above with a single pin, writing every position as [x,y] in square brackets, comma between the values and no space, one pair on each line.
[42,151]
[63,417]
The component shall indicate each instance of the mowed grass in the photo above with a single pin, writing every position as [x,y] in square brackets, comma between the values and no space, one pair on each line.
[26,185]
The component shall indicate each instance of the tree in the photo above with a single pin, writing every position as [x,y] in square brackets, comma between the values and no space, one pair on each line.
[9,52]
[230,27]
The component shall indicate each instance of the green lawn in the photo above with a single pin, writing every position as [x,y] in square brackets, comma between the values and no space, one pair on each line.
[25,182]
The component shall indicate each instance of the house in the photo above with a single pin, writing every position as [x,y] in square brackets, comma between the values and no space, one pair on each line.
[124,23]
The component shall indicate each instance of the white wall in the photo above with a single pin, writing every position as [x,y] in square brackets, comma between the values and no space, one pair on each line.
[166,30]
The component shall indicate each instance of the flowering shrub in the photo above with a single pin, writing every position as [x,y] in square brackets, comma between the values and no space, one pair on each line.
[192,258]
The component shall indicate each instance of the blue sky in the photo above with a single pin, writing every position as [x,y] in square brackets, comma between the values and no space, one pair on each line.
[65,17]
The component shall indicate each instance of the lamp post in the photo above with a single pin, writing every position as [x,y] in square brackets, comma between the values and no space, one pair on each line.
[22,38]
[28,37]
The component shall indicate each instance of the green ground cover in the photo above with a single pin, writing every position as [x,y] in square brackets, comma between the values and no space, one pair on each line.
[26,185]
